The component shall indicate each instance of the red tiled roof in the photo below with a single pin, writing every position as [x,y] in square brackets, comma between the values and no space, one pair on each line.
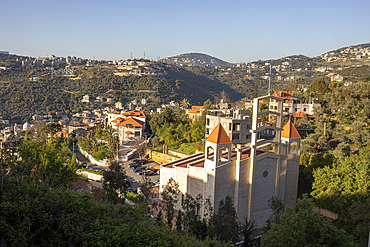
[134,114]
[119,118]
[300,114]
[283,94]
[131,122]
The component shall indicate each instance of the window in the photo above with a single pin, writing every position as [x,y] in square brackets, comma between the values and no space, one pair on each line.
[248,137]
[249,126]
[207,131]
[137,133]
[207,121]
[275,107]
[236,127]
[230,126]
[294,147]
[210,151]
[304,109]
[223,154]
[271,107]
[236,136]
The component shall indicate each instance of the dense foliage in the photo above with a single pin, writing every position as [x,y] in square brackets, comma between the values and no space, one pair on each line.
[39,206]
[301,226]
[176,130]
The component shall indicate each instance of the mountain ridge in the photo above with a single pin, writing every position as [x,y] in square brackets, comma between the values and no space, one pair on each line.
[196,58]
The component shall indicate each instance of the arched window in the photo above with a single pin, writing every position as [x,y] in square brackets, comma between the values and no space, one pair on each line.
[293,147]
[223,154]
[210,153]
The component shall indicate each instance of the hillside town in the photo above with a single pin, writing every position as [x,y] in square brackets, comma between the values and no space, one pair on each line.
[252,154]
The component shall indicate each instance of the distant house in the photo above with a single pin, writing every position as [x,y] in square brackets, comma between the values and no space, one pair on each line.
[347,83]
[291,105]
[118,105]
[195,112]
[337,78]
[172,105]
[223,105]
[37,118]
[85,98]
[61,134]
[129,128]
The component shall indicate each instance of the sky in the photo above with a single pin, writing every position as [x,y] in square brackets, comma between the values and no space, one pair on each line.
[234,31]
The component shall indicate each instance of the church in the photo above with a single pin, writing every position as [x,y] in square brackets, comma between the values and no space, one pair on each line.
[250,173]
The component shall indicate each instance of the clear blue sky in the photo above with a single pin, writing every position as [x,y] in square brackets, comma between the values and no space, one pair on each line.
[234,31]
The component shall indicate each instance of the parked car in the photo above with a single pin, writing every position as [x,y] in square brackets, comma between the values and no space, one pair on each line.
[140,169]
[150,172]
[142,162]
[142,172]
[132,164]
[136,167]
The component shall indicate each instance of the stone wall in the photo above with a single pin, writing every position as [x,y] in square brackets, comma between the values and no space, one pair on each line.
[90,175]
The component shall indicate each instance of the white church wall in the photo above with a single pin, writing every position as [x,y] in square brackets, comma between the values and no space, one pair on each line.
[225,183]
[243,189]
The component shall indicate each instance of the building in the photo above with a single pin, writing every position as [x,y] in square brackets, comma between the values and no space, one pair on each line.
[336,78]
[172,105]
[37,118]
[139,115]
[195,112]
[129,129]
[292,105]
[118,105]
[85,98]
[249,173]
[236,124]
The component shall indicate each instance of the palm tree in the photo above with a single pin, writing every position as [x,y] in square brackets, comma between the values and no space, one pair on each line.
[185,103]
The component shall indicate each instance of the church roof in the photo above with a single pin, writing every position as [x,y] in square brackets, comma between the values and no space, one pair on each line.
[218,135]
[289,131]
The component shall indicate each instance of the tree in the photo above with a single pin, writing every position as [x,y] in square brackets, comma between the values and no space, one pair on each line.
[360,215]
[277,208]
[255,93]
[223,224]
[337,187]
[192,221]
[247,230]
[185,103]
[169,197]
[301,226]
[307,166]
[115,183]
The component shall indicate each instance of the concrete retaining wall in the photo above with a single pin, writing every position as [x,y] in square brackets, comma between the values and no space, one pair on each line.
[160,157]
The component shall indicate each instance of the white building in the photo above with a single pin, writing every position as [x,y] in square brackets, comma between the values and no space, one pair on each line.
[249,174]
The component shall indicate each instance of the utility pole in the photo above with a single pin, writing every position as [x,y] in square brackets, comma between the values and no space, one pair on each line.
[269,81]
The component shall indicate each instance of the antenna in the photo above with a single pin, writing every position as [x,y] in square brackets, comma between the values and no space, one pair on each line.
[131,55]
[144,54]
